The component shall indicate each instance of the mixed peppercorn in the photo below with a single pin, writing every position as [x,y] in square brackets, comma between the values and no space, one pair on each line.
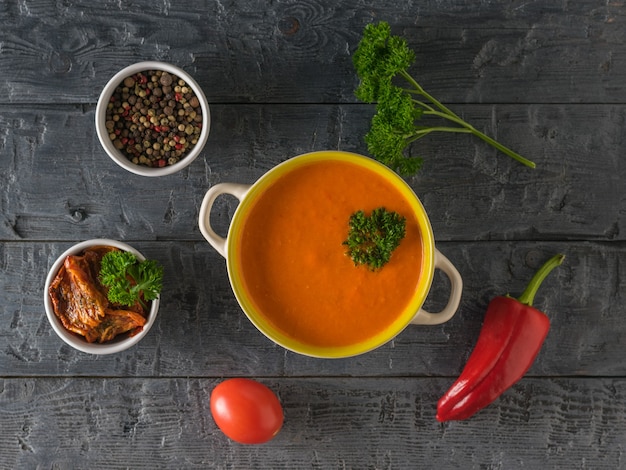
[154,118]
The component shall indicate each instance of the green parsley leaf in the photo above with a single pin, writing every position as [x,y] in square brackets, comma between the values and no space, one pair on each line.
[372,239]
[129,280]
[379,60]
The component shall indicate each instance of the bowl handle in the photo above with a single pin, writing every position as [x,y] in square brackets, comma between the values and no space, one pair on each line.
[422,317]
[237,190]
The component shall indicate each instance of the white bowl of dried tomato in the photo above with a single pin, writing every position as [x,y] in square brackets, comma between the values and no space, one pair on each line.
[78,307]
[152,118]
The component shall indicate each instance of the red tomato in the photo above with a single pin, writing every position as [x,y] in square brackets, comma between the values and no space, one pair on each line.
[246,411]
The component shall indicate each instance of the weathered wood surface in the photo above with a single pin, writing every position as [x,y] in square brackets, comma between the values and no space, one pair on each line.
[546,78]
[201,331]
[298,51]
[471,191]
[329,423]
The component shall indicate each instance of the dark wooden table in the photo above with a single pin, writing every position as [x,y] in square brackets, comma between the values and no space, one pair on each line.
[546,78]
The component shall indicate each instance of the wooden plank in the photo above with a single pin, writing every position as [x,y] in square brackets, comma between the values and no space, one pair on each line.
[285,52]
[470,191]
[329,423]
[202,332]
[545,78]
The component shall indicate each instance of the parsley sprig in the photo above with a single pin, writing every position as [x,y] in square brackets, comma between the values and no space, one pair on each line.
[381,58]
[372,239]
[130,280]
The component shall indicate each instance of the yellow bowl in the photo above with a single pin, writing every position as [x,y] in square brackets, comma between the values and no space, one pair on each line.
[412,312]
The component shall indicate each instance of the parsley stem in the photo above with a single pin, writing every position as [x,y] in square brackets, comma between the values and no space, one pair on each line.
[379,60]
[503,149]
[423,132]
[489,140]
[447,113]
[425,94]
[429,110]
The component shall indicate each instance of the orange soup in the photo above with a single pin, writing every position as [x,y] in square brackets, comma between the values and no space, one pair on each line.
[294,266]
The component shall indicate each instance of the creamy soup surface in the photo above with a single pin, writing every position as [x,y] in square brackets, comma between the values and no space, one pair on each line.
[295,268]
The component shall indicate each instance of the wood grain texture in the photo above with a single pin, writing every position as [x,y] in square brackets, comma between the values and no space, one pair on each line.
[470,191]
[545,78]
[201,331]
[329,423]
[288,51]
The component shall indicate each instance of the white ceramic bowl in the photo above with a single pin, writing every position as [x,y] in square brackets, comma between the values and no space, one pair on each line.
[117,344]
[117,156]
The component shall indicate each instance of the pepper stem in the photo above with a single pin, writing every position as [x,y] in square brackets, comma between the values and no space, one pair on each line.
[528,296]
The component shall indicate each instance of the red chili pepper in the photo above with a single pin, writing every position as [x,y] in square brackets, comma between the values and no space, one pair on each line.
[509,341]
